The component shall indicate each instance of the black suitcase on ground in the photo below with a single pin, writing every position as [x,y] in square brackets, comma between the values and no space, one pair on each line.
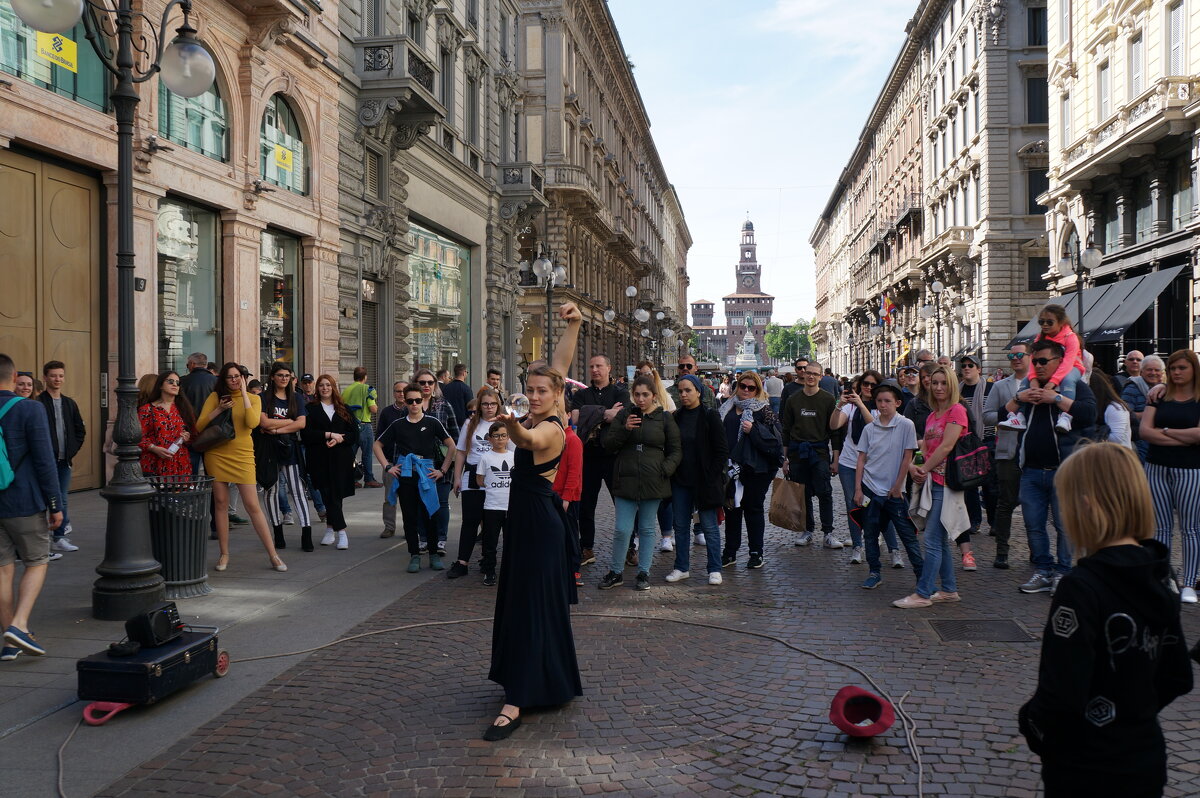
[152,673]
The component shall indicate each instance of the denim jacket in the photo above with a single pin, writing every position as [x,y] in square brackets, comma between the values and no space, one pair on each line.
[34,488]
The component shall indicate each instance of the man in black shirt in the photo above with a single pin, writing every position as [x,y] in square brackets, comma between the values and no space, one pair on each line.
[393,412]
[1042,451]
[458,393]
[196,385]
[593,408]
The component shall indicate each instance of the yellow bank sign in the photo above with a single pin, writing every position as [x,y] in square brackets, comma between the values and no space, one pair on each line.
[283,157]
[57,49]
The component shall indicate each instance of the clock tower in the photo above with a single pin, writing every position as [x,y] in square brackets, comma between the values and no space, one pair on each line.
[748,309]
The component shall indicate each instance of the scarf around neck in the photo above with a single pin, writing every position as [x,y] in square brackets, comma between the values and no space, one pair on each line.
[746,409]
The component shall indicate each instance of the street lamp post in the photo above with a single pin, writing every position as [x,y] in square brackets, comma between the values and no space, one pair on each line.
[934,311]
[129,575]
[549,276]
[1081,264]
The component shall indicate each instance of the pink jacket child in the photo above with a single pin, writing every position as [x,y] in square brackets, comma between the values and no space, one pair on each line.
[1072,360]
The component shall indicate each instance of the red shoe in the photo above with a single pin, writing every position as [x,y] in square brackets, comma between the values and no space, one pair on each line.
[578,580]
[968,561]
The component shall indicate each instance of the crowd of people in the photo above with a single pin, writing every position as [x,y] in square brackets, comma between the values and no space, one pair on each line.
[688,467]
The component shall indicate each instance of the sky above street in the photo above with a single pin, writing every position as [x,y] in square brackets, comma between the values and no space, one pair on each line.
[755,106]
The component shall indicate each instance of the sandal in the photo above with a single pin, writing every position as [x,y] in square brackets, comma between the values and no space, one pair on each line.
[497,732]
[222,563]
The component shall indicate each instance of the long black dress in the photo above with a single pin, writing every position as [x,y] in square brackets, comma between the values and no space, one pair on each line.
[533,650]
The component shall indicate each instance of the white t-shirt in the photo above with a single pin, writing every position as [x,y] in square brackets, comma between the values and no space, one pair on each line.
[849,455]
[1117,419]
[329,409]
[495,468]
[479,447]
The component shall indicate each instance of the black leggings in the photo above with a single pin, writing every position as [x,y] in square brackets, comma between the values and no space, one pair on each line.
[412,511]
[472,517]
[335,519]
[493,525]
[754,496]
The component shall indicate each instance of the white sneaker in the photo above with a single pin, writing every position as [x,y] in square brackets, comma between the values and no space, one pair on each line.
[1188,595]
[343,541]
[856,554]
[700,541]
[289,519]
[1064,423]
[330,536]
[714,578]
[55,555]
[831,542]
[804,540]
[1014,421]
[666,544]
[897,560]
[678,576]
[63,544]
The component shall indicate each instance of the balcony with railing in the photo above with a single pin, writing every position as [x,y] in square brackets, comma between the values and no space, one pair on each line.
[396,76]
[522,186]
[910,209]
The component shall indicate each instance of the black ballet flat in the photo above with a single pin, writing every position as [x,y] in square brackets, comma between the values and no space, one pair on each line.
[497,733]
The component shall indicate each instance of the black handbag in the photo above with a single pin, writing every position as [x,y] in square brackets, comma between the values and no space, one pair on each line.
[219,431]
[968,465]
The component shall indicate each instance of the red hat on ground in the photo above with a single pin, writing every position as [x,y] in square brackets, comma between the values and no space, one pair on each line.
[860,713]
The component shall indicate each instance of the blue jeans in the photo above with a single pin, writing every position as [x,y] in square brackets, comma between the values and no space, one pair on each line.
[365,442]
[939,558]
[1039,500]
[846,477]
[282,493]
[775,401]
[893,514]
[645,512]
[64,485]
[682,501]
[441,518]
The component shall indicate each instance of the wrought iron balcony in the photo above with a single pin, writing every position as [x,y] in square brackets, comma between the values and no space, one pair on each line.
[396,77]
[910,208]
[522,187]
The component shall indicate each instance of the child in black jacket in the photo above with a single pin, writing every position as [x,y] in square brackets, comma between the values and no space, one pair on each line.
[1113,653]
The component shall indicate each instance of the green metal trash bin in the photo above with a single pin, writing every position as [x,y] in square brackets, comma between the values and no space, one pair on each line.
[179,525]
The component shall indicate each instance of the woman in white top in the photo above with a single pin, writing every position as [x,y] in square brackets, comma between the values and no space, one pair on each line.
[473,443]
[855,410]
[1112,412]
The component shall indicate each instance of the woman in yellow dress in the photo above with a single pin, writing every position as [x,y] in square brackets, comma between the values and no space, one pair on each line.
[233,461]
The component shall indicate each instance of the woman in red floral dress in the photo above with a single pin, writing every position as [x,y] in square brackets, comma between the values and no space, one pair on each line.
[167,425]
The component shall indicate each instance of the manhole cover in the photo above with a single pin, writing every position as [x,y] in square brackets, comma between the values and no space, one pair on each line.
[981,631]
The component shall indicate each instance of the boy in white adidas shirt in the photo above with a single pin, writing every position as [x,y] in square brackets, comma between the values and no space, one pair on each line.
[493,475]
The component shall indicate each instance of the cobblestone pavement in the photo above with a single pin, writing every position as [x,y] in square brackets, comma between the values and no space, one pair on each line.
[668,709]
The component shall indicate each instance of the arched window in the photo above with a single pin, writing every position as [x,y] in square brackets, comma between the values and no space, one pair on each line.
[198,123]
[88,84]
[282,157]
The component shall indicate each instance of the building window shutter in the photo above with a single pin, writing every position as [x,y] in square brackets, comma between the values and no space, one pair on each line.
[1137,58]
[371,176]
[1175,39]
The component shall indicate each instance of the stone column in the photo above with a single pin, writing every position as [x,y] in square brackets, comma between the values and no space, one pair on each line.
[241,242]
[1126,235]
[1160,198]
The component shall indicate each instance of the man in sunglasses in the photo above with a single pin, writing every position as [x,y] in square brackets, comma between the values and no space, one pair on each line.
[1008,441]
[1042,450]
[806,443]
[1131,366]
[687,365]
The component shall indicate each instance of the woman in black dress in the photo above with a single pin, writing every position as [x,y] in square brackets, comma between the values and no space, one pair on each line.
[533,650]
[329,435]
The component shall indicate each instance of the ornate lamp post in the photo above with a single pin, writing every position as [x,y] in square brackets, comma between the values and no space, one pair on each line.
[129,575]
[934,311]
[549,276]
[1081,264]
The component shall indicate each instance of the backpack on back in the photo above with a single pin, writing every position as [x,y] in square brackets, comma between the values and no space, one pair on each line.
[7,473]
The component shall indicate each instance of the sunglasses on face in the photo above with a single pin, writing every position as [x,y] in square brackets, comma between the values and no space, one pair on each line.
[1043,361]
[416,401]
[686,366]
[1046,322]
[747,386]
[425,382]
[967,365]
[170,382]
[869,384]
[1015,355]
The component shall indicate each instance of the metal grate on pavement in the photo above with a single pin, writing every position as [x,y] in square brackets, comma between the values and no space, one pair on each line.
[977,630]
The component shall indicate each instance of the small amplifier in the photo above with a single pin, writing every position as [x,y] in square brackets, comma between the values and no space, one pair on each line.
[155,627]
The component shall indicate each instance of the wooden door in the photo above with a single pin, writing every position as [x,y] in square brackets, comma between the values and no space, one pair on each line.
[50,289]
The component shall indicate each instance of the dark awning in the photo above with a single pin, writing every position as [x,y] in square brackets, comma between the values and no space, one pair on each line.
[970,349]
[1108,309]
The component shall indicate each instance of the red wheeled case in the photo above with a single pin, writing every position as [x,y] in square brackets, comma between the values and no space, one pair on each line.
[153,673]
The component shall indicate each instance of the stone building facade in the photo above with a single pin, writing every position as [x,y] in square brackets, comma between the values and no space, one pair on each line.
[747,302]
[235,205]
[942,193]
[1124,149]
[613,220]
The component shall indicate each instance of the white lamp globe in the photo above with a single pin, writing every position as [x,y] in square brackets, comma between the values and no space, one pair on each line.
[187,68]
[543,268]
[927,312]
[642,315]
[645,333]
[660,315]
[668,334]
[1091,258]
[609,315]
[631,291]
[937,287]
[49,16]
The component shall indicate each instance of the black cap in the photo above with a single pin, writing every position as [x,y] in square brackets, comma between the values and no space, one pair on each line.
[306,378]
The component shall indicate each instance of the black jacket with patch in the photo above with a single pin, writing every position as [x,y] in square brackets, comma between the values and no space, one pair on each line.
[1113,656]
